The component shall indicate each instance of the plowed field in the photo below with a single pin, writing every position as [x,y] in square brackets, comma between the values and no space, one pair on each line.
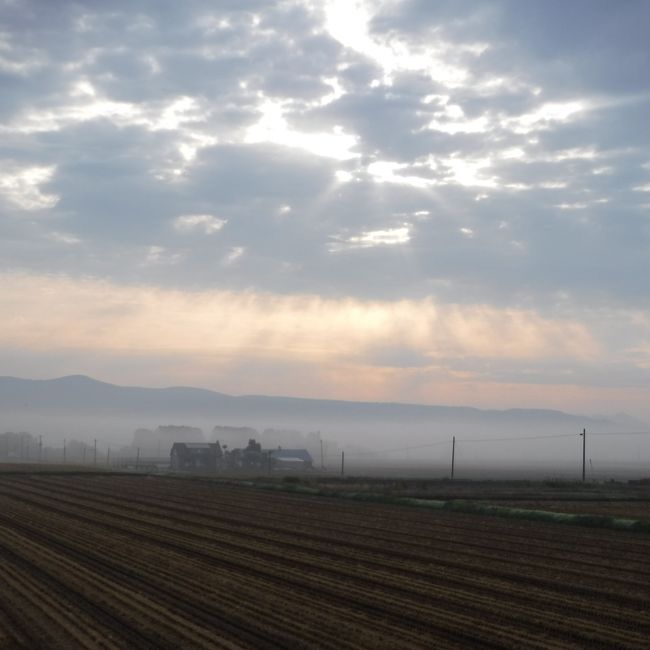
[135,562]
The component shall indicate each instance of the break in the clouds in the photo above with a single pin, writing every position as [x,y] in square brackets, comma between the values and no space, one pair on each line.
[476,155]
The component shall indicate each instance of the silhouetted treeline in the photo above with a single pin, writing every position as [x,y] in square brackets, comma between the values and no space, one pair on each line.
[19,446]
[26,447]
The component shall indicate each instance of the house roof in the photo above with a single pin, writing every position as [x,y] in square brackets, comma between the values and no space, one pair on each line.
[194,445]
[291,454]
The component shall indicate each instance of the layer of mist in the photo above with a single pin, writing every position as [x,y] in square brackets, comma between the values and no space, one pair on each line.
[385,438]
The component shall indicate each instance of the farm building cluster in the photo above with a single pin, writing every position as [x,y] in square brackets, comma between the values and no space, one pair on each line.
[225,448]
[213,457]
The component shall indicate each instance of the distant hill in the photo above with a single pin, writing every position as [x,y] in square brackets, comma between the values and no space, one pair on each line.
[80,396]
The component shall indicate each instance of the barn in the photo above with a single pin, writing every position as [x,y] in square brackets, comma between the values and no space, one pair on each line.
[291,459]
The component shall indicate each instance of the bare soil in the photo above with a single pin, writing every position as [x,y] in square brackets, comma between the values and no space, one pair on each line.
[110,561]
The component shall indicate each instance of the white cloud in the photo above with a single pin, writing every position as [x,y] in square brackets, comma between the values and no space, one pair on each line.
[577,153]
[336,93]
[160,256]
[384,171]
[180,115]
[64,238]
[273,127]
[206,223]
[544,116]
[553,185]
[452,120]
[348,22]
[470,173]
[572,206]
[233,256]
[343,176]
[373,238]
[21,186]
[176,113]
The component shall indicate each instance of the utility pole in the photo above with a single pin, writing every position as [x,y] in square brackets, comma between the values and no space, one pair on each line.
[322,463]
[342,463]
[64,455]
[95,453]
[137,460]
[453,456]
[108,457]
[40,449]
[584,450]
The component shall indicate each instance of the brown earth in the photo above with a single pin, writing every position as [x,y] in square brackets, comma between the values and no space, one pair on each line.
[135,562]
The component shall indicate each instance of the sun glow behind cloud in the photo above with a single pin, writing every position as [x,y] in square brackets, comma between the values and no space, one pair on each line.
[99,315]
[273,127]
[211,335]
[348,22]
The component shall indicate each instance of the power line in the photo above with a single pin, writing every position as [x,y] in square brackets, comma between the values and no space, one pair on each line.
[449,442]
[472,440]
[520,439]
[390,451]
[621,433]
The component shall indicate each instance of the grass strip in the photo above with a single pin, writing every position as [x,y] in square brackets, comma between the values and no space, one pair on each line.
[572,519]
[469,507]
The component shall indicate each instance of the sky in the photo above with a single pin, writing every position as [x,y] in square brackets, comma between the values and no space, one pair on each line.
[430,201]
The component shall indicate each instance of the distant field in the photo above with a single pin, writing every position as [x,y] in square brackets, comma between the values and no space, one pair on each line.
[102,561]
[611,499]
[625,509]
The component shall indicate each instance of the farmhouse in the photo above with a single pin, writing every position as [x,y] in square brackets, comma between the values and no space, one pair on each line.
[205,456]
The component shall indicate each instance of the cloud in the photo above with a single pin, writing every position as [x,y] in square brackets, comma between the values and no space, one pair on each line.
[96,314]
[273,127]
[372,238]
[157,115]
[205,223]
[463,153]
[22,187]
[65,238]
[410,350]
[158,255]
[232,256]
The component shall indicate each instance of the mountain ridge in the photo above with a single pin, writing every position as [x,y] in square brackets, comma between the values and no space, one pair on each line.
[86,395]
